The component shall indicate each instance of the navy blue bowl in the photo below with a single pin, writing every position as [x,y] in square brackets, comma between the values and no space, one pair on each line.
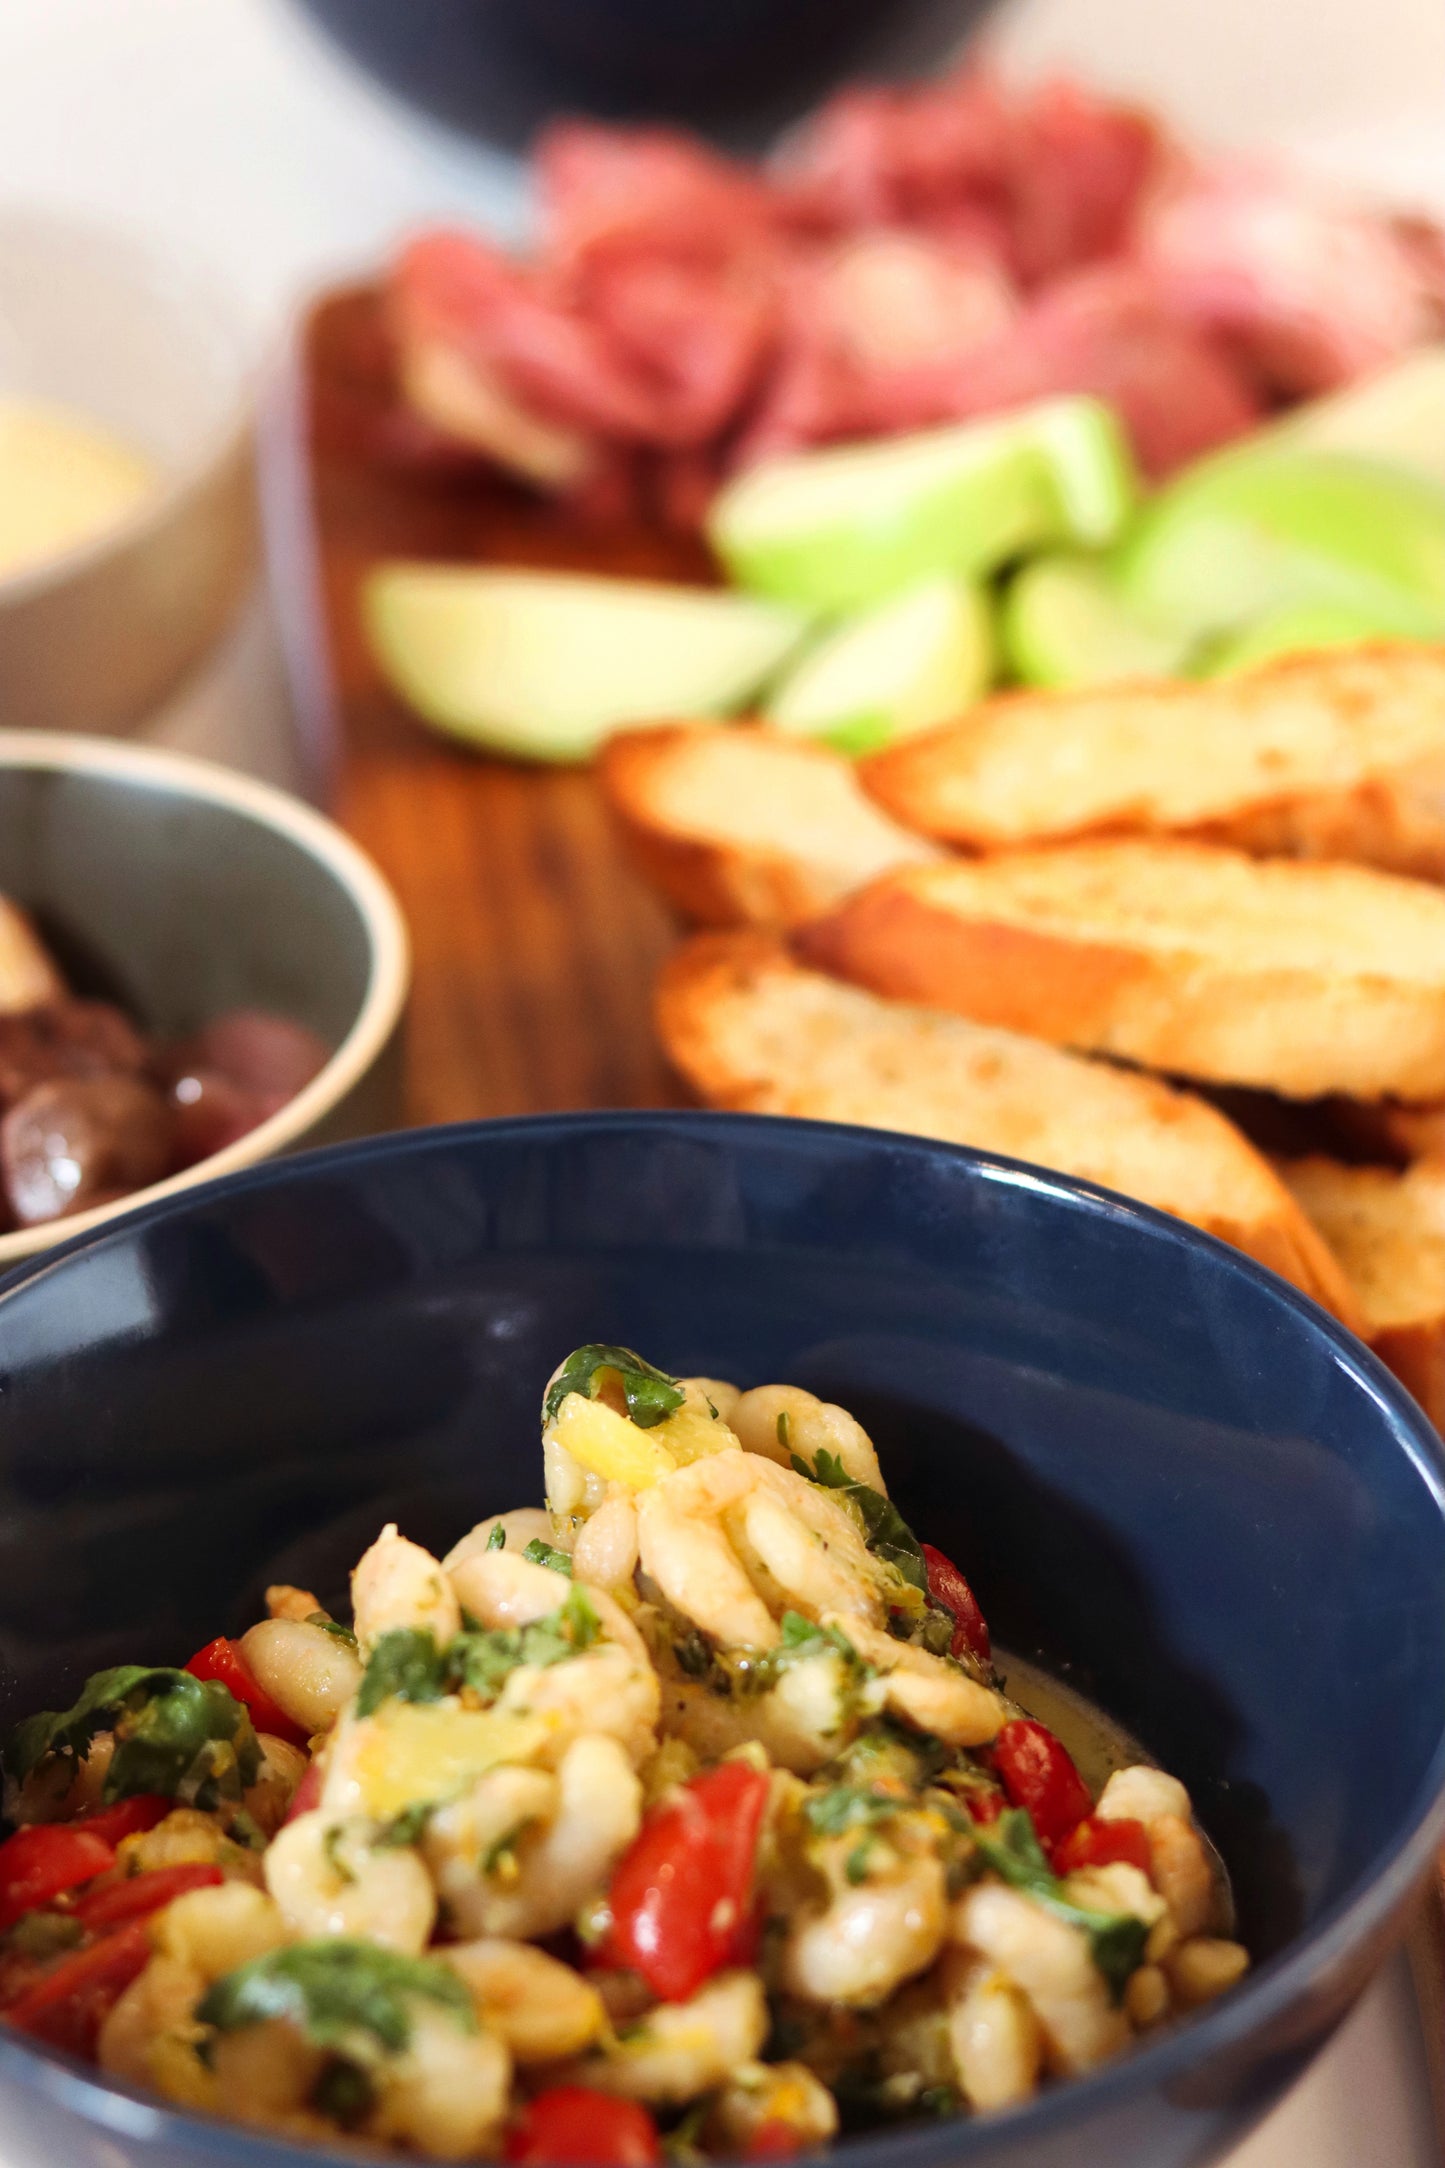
[740,69]
[1170,1478]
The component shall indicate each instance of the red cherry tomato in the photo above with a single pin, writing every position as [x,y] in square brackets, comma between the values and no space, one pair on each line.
[572,2123]
[37,1863]
[68,2006]
[773,2140]
[142,1894]
[1103,1844]
[307,1793]
[946,1585]
[222,1660]
[1038,1772]
[127,1818]
[681,1897]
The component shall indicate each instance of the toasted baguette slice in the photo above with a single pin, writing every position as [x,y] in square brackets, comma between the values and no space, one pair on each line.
[749,1028]
[1388,1231]
[741,826]
[1340,755]
[1303,979]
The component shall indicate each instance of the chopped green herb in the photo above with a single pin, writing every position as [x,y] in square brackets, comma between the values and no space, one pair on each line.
[344,2092]
[683,2143]
[543,1554]
[497,1540]
[408,1826]
[855,1866]
[650,1395]
[332,1626]
[185,1737]
[886,1532]
[330,1845]
[405,1665]
[485,1661]
[1011,1848]
[784,1431]
[347,1996]
[44,1934]
[849,1806]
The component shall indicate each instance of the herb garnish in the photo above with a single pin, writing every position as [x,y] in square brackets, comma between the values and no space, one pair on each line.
[650,1395]
[497,1540]
[543,1554]
[885,1531]
[348,1996]
[407,1664]
[332,1626]
[185,1737]
[1011,1848]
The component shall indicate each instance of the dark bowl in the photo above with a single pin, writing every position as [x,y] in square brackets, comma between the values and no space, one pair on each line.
[740,69]
[1172,1480]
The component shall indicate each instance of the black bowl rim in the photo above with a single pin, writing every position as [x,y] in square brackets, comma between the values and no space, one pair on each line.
[1282,1984]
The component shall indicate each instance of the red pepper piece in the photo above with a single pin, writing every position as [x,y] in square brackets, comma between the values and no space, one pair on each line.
[41,1861]
[573,2123]
[307,1793]
[142,1894]
[128,1817]
[1038,1773]
[222,1660]
[985,1807]
[681,1896]
[946,1585]
[70,2004]
[773,2140]
[1103,1844]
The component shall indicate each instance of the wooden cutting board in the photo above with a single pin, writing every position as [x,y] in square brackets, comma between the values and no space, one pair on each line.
[535,945]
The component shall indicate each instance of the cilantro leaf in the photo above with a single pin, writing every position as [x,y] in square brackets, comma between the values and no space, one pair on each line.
[348,1996]
[407,1665]
[332,1626]
[1011,1847]
[650,1395]
[885,1531]
[497,1540]
[185,1737]
[543,1554]
[849,1806]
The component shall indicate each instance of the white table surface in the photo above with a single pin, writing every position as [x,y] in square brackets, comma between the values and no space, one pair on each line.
[224,127]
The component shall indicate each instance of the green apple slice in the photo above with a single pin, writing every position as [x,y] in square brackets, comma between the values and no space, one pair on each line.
[1251,533]
[838,529]
[1300,631]
[1396,415]
[917,659]
[1063,623]
[545,665]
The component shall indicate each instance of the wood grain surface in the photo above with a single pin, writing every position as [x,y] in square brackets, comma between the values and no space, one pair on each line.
[535,945]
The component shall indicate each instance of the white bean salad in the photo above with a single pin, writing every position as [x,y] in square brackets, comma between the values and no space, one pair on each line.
[685,1818]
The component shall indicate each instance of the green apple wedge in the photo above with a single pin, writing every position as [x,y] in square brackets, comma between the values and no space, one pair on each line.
[1300,631]
[545,665]
[1397,415]
[1062,623]
[1253,532]
[838,529]
[917,659]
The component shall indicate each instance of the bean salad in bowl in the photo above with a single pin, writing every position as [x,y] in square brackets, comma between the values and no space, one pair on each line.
[687,1816]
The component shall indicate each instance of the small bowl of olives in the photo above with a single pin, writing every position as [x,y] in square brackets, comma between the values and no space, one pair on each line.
[196,973]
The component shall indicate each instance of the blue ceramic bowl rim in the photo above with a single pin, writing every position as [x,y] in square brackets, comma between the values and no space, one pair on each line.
[1280,1984]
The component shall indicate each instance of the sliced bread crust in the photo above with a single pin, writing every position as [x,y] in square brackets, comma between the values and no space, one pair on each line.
[1387,1229]
[1340,755]
[750,1028]
[737,825]
[1203,962]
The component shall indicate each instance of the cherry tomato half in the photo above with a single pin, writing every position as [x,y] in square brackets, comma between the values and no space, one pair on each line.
[142,1894]
[946,1585]
[38,1862]
[68,2006]
[773,2140]
[1103,1844]
[681,1897]
[573,2123]
[1038,1772]
[128,1817]
[307,1793]
[222,1660]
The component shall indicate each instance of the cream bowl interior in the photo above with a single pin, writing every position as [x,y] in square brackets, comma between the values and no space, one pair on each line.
[184,890]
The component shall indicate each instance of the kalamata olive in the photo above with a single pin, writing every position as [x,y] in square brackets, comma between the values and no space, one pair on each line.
[81,1141]
[212,1112]
[260,1052]
[66,1038]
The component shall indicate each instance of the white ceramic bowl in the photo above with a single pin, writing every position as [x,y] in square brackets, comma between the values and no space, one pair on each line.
[191,890]
[135,340]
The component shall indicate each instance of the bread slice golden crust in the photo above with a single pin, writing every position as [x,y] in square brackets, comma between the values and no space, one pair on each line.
[1203,962]
[750,1028]
[737,825]
[1388,1230]
[1338,755]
